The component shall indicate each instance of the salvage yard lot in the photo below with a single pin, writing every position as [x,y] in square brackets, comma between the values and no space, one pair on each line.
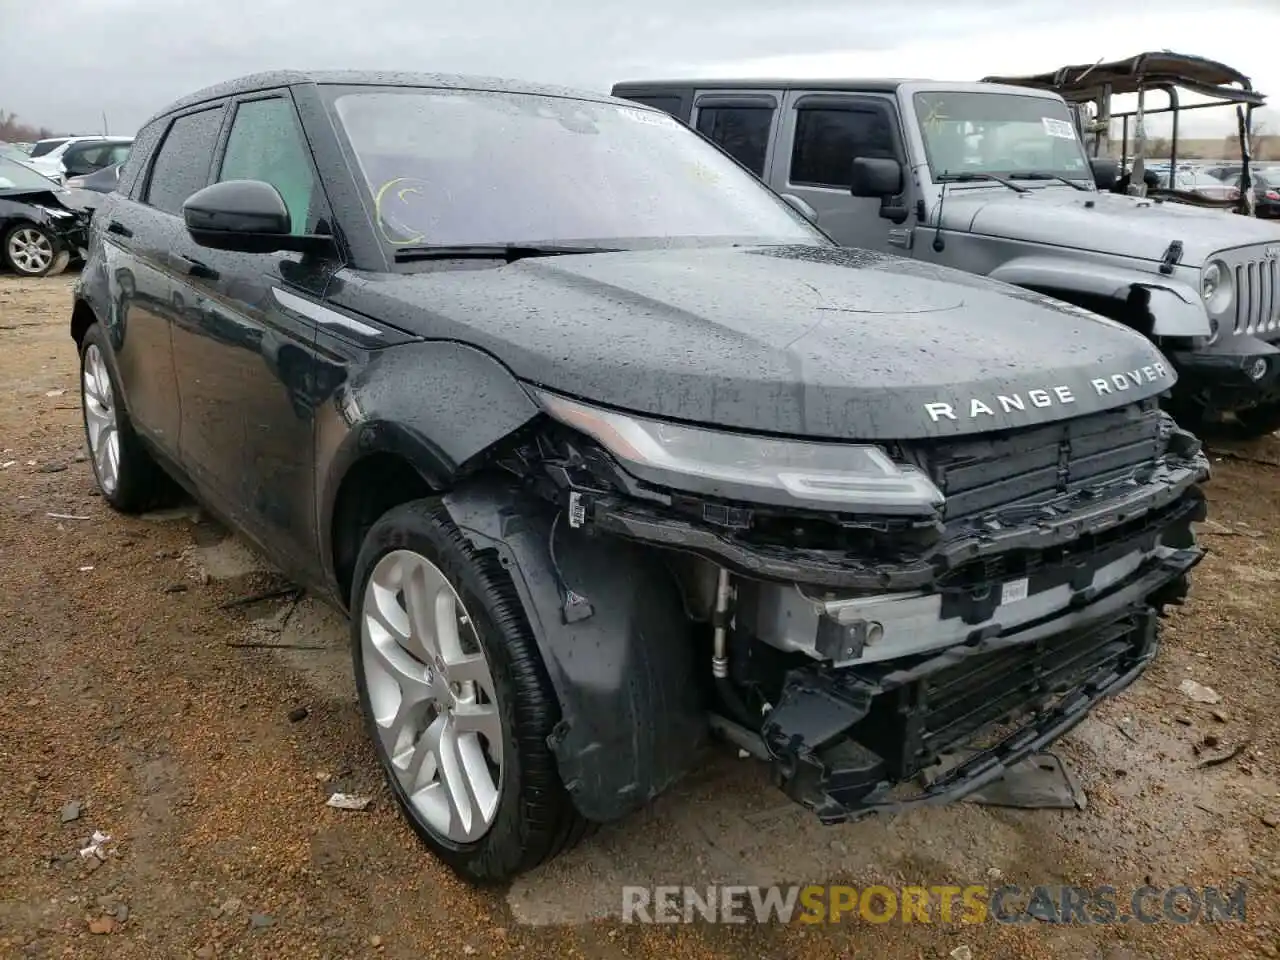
[140,698]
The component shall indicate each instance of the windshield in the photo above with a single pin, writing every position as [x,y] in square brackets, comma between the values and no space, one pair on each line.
[470,167]
[999,133]
[18,176]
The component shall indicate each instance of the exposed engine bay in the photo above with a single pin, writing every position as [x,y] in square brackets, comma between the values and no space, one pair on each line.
[859,651]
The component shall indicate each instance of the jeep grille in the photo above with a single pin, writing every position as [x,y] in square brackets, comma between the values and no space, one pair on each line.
[1256,307]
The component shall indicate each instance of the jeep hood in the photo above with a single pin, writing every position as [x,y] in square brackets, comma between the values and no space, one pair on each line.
[808,341]
[1103,222]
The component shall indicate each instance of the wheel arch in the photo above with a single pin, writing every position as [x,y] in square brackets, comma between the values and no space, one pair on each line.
[1152,304]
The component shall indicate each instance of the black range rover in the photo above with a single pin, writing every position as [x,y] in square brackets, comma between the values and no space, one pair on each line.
[603,446]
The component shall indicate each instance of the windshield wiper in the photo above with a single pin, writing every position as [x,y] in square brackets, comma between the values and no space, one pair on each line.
[973,177]
[510,252]
[1037,175]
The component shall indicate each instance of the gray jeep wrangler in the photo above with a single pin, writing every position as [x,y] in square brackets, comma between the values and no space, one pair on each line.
[993,179]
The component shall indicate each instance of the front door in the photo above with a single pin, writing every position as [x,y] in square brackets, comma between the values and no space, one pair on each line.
[245,353]
[820,136]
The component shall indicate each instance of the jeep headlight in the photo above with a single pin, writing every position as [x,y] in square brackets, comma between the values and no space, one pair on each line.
[1216,287]
[848,477]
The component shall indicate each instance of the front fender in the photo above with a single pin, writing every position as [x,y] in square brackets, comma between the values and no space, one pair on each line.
[625,675]
[436,405]
[1176,308]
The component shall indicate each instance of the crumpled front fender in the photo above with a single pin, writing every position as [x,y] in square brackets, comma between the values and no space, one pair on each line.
[1176,308]
[623,665]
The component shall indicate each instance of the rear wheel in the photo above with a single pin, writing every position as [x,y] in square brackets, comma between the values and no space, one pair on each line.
[456,697]
[128,477]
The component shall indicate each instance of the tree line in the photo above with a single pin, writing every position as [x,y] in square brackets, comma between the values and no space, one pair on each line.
[12,130]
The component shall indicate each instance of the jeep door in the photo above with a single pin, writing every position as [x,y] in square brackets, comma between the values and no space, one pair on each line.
[138,231]
[820,134]
[245,348]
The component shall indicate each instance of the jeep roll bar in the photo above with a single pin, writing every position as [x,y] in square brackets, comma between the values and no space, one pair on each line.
[1097,83]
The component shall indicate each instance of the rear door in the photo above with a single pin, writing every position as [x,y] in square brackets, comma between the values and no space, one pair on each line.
[744,124]
[138,232]
[821,133]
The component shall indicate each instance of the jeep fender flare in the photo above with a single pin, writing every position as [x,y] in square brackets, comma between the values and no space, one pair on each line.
[1175,307]
[626,674]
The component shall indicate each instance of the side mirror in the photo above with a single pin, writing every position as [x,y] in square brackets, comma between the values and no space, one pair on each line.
[248,216]
[802,206]
[875,177]
[1106,172]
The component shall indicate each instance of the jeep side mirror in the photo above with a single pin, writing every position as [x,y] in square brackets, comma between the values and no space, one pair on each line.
[875,177]
[1105,172]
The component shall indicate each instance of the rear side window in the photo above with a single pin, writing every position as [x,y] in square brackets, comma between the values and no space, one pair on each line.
[141,148]
[743,132]
[828,140]
[182,165]
[266,143]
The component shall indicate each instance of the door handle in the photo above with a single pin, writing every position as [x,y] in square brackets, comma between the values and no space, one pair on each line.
[118,228]
[194,268]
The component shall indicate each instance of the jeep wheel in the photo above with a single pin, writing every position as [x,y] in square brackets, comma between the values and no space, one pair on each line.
[456,697]
[127,476]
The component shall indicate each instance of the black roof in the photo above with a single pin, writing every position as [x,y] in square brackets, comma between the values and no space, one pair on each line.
[451,81]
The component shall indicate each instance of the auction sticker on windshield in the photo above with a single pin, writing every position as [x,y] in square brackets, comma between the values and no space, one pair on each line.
[1058,128]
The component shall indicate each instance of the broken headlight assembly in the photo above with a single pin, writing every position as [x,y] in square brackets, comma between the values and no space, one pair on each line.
[841,477]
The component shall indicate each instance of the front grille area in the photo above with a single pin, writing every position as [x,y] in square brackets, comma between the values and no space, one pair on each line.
[913,725]
[1025,466]
[1256,308]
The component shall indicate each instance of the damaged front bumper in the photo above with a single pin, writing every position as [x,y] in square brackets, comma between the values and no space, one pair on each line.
[845,742]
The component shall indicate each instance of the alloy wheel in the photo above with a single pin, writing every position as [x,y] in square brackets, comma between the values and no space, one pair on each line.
[100,419]
[432,696]
[30,250]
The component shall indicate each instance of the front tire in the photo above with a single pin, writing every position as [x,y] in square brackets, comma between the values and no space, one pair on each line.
[31,251]
[126,474]
[456,697]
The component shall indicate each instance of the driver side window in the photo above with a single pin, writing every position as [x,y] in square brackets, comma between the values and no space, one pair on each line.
[266,143]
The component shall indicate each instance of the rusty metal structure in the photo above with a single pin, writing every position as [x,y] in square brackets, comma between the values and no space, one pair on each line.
[1090,88]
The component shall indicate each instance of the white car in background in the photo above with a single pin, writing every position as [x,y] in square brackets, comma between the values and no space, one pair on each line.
[60,157]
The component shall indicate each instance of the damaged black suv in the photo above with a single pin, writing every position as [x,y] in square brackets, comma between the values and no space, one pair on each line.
[605,447]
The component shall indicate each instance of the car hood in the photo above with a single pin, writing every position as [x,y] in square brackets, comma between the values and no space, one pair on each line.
[1104,222]
[805,341]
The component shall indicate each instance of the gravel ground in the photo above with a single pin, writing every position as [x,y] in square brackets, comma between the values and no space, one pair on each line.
[130,704]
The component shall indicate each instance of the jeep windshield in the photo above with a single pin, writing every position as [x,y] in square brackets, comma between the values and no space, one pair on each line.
[1018,137]
[455,168]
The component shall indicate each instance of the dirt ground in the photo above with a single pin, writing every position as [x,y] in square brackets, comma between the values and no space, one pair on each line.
[138,699]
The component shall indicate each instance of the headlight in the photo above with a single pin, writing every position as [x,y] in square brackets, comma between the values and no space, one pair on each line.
[1216,287]
[824,476]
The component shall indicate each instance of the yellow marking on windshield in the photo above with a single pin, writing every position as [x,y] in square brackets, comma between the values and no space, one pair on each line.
[383,222]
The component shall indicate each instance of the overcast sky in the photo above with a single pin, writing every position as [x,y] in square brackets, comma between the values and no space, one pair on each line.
[63,63]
